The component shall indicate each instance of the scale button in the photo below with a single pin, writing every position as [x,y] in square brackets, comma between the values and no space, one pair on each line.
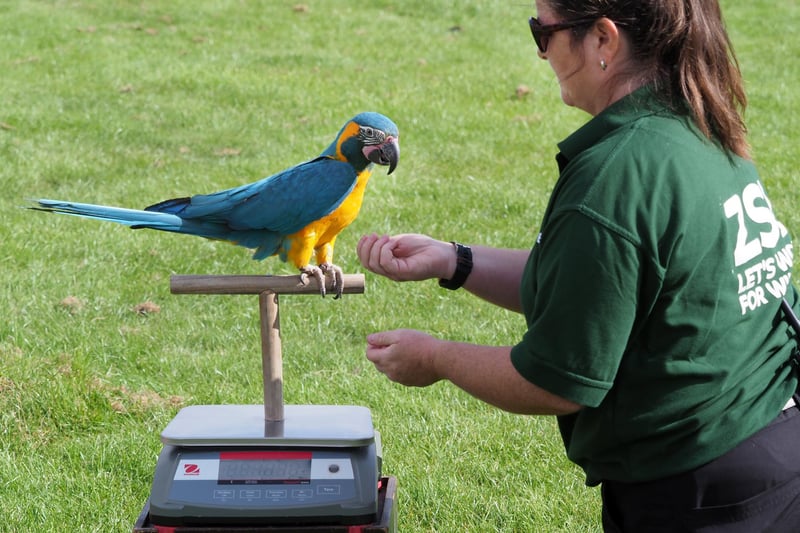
[250,494]
[224,494]
[329,490]
[302,494]
[333,468]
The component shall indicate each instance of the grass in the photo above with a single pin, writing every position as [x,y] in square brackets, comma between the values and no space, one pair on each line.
[128,103]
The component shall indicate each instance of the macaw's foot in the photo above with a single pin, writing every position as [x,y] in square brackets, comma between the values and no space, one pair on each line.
[315,272]
[336,275]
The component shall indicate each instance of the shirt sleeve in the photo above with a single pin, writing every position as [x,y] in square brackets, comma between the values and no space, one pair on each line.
[582,290]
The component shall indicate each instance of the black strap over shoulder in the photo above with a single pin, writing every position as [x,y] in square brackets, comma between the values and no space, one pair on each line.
[791,317]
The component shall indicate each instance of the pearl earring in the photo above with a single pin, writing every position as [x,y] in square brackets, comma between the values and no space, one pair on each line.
[603,64]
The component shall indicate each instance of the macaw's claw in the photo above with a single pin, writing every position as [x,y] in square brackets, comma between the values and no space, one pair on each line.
[336,275]
[317,273]
[321,273]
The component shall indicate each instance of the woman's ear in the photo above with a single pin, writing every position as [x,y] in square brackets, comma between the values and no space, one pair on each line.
[605,41]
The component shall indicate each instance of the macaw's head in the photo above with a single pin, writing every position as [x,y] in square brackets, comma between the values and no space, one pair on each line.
[365,139]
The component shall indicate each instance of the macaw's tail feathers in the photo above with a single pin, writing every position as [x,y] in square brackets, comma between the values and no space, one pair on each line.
[129,217]
[265,243]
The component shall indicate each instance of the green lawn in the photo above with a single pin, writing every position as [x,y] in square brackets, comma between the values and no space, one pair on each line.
[131,102]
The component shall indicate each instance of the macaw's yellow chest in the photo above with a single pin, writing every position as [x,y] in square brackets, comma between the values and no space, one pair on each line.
[328,227]
[319,237]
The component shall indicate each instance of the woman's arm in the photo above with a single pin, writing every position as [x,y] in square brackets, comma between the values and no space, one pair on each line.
[495,276]
[413,358]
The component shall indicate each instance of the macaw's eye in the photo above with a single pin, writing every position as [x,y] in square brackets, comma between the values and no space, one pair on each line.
[371,135]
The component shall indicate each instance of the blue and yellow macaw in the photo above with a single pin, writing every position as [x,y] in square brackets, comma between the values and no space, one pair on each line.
[295,213]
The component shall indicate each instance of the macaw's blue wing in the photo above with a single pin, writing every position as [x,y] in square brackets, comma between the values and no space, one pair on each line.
[261,214]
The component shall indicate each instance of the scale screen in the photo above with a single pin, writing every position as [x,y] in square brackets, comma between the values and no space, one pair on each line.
[264,468]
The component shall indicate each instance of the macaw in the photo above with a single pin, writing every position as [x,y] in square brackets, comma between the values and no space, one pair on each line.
[294,214]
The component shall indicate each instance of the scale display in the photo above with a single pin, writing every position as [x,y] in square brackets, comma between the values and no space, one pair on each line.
[265,468]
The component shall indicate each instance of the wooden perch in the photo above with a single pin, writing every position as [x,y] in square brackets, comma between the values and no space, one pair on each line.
[254,284]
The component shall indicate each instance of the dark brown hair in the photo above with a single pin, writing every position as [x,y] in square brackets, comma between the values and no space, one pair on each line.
[682,48]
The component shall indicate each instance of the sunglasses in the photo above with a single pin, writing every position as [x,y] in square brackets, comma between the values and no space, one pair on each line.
[542,32]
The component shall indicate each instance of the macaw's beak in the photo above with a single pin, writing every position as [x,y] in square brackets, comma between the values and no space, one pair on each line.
[387,153]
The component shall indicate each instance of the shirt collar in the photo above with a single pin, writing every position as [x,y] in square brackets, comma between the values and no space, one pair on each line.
[641,102]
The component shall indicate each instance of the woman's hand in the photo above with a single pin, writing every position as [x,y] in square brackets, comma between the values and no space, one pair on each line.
[409,257]
[404,356]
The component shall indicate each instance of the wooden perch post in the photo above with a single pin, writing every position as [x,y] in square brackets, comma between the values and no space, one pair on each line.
[268,288]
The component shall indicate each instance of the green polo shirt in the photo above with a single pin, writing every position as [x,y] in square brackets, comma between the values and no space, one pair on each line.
[652,296]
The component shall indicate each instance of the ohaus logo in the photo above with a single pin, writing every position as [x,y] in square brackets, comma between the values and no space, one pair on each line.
[196,470]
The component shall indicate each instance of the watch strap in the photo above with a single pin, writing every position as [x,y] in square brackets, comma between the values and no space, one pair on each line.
[463,267]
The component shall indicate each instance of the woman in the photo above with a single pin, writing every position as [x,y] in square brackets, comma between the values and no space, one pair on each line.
[652,294]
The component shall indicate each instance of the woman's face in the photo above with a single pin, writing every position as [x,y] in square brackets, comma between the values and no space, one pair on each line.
[578,87]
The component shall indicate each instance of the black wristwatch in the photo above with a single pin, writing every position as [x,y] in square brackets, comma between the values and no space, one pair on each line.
[463,267]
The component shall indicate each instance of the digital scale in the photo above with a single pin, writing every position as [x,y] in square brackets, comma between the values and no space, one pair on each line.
[240,467]
[220,467]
